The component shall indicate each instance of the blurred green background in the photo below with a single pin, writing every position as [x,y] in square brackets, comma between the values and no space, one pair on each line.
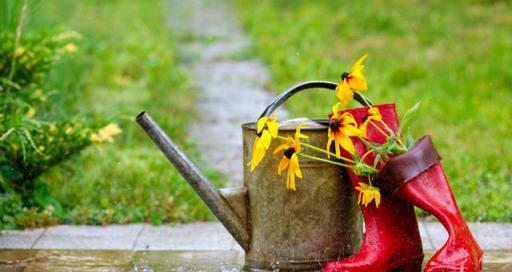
[126,62]
[453,56]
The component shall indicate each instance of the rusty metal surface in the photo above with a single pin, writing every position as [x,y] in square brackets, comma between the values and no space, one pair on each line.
[298,230]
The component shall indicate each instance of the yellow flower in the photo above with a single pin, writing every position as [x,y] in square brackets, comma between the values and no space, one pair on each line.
[30,113]
[373,114]
[367,194]
[70,48]
[266,129]
[290,158]
[353,80]
[19,51]
[106,134]
[342,126]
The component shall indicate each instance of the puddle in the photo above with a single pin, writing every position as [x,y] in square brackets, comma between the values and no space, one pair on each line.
[149,261]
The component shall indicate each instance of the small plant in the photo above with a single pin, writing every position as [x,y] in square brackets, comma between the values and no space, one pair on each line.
[30,143]
[342,131]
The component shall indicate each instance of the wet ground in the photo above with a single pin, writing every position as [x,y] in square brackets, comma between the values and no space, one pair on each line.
[94,260]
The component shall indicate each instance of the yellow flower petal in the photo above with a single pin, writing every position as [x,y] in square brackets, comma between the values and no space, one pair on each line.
[299,135]
[282,147]
[367,194]
[362,129]
[337,147]
[347,144]
[329,143]
[273,128]
[358,83]
[344,93]
[282,165]
[258,152]
[357,79]
[294,166]
[290,181]
[350,131]
[261,124]
[358,66]
[265,138]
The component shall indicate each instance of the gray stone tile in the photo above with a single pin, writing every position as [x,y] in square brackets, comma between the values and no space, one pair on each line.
[23,239]
[490,236]
[89,237]
[493,236]
[437,234]
[197,236]
[425,237]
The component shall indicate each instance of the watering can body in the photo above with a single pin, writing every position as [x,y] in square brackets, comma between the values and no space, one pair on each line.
[278,229]
[298,230]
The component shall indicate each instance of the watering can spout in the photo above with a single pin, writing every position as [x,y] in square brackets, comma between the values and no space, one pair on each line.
[218,204]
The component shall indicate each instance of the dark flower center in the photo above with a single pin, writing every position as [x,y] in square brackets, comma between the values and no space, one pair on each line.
[289,152]
[344,75]
[364,118]
[334,124]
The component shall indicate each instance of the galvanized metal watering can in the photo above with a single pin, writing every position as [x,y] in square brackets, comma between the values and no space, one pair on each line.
[279,229]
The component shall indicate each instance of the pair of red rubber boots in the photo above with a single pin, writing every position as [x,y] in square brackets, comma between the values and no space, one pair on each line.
[392,241]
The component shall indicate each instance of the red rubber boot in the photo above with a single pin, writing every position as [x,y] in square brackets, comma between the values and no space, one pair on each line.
[418,178]
[392,240]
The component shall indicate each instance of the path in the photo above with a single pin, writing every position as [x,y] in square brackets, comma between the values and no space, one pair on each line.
[202,236]
[186,247]
[232,91]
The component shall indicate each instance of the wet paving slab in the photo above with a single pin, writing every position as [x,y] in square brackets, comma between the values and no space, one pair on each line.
[146,261]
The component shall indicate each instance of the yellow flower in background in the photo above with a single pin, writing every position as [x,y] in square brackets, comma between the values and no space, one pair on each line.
[30,113]
[290,158]
[342,126]
[373,114]
[266,129]
[70,48]
[355,80]
[19,51]
[367,194]
[106,134]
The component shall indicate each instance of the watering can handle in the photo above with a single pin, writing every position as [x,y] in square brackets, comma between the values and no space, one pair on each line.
[304,86]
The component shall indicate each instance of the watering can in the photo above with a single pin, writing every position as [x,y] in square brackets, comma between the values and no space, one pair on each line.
[277,228]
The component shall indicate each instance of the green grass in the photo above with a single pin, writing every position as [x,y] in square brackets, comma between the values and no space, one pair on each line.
[453,56]
[126,63]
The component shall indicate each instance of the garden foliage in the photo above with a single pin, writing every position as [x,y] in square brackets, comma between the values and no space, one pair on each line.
[31,141]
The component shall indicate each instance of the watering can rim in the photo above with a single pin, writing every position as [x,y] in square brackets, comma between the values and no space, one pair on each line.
[324,122]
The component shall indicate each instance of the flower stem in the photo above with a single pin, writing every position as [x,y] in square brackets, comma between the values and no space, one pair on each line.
[365,99]
[366,154]
[367,144]
[324,160]
[318,149]
[397,136]
[379,129]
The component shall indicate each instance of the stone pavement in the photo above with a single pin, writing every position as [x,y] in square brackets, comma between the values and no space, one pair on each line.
[231,89]
[200,236]
[185,247]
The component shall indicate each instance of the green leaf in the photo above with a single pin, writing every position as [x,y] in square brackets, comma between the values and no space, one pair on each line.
[410,140]
[407,117]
